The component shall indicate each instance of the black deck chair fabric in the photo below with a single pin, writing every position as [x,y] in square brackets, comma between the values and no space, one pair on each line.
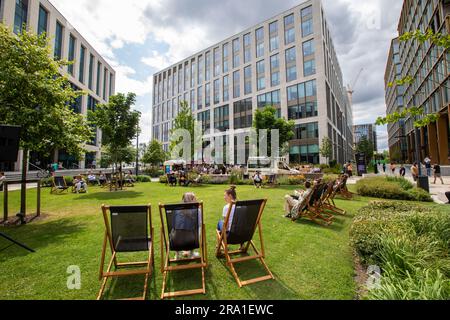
[244,221]
[129,229]
[183,226]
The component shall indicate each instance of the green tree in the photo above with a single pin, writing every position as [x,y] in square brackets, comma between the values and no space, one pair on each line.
[421,119]
[266,119]
[126,154]
[366,147]
[326,150]
[154,154]
[35,96]
[119,125]
[185,120]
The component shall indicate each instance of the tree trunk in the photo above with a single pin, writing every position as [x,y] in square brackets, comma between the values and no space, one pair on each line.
[23,190]
[121,176]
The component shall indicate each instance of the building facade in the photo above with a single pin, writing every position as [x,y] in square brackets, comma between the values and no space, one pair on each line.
[287,62]
[429,66]
[398,148]
[367,131]
[89,72]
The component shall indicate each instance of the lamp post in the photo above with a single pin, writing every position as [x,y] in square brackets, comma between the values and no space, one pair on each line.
[137,151]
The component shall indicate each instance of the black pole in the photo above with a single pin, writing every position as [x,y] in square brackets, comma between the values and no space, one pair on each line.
[16,242]
[137,152]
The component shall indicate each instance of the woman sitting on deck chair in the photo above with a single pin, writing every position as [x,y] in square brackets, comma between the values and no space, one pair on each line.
[258,180]
[230,196]
[80,185]
[295,204]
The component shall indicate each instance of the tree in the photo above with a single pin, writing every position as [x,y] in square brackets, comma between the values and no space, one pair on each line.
[35,96]
[119,125]
[154,154]
[417,113]
[126,154]
[184,121]
[326,150]
[366,147]
[266,119]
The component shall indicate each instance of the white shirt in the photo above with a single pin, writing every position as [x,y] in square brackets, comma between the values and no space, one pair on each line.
[224,214]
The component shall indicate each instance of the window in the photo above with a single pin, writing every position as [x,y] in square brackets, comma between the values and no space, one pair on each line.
[225,55]
[307,22]
[216,62]
[205,119]
[99,76]
[236,84]
[76,105]
[309,68]
[82,63]
[308,48]
[236,56]
[243,114]
[193,77]
[207,95]
[105,78]
[43,20]
[226,88]
[208,66]
[271,99]
[247,48]
[20,15]
[192,100]
[291,64]
[260,42]
[111,84]
[72,43]
[222,118]
[305,154]
[200,70]
[273,30]
[302,101]
[307,131]
[58,41]
[309,63]
[261,75]
[91,106]
[216,91]
[91,71]
[248,80]
[275,70]
[200,98]
[289,33]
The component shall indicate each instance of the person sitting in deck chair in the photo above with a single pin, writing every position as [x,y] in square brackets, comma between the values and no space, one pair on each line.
[190,197]
[2,180]
[295,204]
[230,196]
[102,179]
[80,185]
[92,179]
[129,180]
[258,180]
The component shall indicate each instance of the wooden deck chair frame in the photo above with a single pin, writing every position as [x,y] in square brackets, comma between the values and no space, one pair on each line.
[329,203]
[222,249]
[168,265]
[315,212]
[58,190]
[149,264]
[343,190]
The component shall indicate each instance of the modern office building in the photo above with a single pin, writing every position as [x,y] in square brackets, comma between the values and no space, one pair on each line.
[429,66]
[398,148]
[288,62]
[89,72]
[367,131]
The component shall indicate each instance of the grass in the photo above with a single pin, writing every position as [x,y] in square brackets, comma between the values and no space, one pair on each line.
[307,260]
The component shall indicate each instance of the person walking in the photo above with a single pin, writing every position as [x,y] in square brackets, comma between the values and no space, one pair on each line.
[384,167]
[427,162]
[415,171]
[402,171]
[437,173]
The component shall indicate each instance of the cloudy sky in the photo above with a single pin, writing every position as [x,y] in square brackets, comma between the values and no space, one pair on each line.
[140,37]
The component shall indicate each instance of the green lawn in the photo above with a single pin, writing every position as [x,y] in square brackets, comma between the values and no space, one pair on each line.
[307,260]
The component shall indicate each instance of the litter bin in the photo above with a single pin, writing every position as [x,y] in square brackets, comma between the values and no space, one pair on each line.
[424,183]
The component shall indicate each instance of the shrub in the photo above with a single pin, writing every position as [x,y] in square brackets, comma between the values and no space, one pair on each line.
[154,172]
[391,188]
[163,179]
[69,181]
[296,180]
[143,179]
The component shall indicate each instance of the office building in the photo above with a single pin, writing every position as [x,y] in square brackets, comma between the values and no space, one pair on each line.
[89,72]
[367,131]
[288,62]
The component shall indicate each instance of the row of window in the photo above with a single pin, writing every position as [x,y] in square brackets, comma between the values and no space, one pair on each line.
[21,20]
[170,84]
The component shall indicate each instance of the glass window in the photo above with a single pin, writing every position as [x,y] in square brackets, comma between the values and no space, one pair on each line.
[307,28]
[309,68]
[308,48]
[72,43]
[43,20]
[58,40]
[236,56]
[306,11]
[20,15]
[289,36]
[99,76]
[225,58]
[275,70]
[247,48]
[207,95]
[248,80]
[236,85]
[91,71]
[226,88]
[200,98]
[260,74]
[105,78]
[82,63]
[260,42]
[216,91]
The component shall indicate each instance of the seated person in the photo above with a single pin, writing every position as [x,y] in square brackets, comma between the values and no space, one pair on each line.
[187,198]
[129,180]
[92,179]
[184,181]
[80,184]
[172,180]
[102,179]
[230,196]
[258,180]
[294,205]
[2,180]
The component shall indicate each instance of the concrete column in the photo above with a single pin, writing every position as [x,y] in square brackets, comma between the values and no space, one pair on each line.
[433,143]
[442,133]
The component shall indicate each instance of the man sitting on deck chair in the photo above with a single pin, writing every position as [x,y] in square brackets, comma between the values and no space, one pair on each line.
[295,204]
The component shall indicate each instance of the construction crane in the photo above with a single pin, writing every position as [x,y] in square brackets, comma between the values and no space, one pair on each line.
[350,88]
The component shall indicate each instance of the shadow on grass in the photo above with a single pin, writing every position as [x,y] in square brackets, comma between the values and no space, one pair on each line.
[130,287]
[107,195]
[37,236]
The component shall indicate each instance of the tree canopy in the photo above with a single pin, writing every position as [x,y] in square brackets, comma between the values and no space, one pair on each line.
[154,154]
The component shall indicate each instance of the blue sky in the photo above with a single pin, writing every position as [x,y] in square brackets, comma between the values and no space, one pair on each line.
[140,37]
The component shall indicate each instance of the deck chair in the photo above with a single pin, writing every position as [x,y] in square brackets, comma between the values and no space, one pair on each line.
[246,219]
[329,203]
[128,230]
[185,232]
[343,190]
[59,185]
[314,210]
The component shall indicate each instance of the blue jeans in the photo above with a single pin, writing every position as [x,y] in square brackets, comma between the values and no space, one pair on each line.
[220,225]
[429,172]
